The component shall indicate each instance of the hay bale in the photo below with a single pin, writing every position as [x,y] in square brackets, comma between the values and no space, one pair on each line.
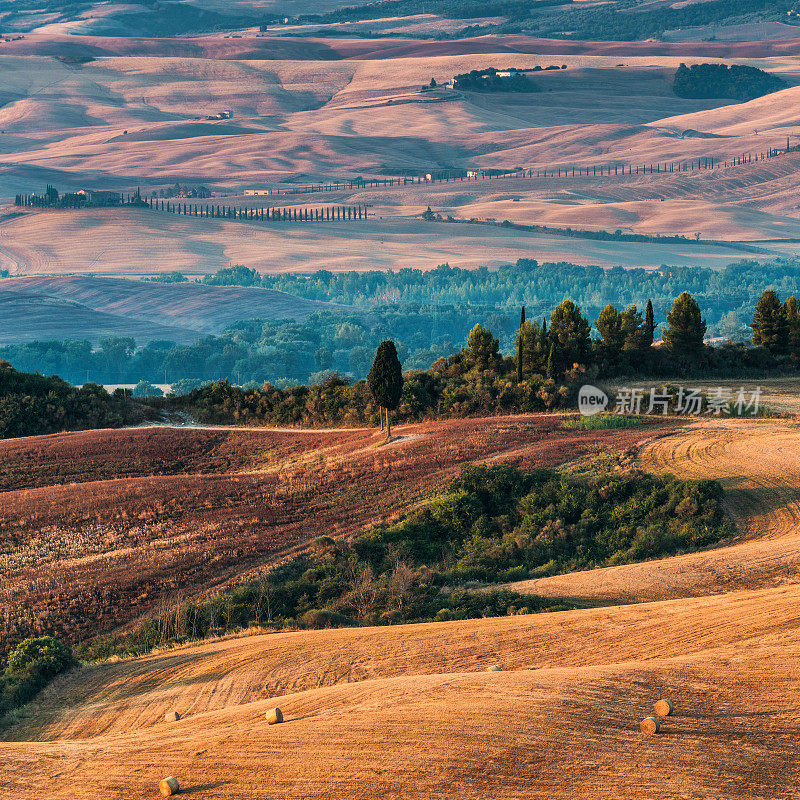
[663,707]
[494,668]
[650,725]
[274,716]
[171,716]
[169,786]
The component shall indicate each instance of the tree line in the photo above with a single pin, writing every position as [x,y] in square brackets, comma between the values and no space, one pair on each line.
[33,404]
[285,352]
[551,358]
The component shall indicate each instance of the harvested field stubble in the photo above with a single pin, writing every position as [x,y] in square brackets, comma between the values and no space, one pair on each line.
[560,721]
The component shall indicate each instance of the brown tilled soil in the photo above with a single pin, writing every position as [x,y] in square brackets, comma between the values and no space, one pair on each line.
[98,527]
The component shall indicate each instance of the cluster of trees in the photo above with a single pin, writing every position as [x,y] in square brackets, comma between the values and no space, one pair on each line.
[331,349]
[487,80]
[279,351]
[185,191]
[737,82]
[51,198]
[29,668]
[621,21]
[492,524]
[32,405]
[550,358]
[450,9]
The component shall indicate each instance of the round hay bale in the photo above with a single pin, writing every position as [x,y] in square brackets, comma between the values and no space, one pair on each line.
[494,668]
[171,716]
[650,725]
[663,707]
[169,786]
[274,716]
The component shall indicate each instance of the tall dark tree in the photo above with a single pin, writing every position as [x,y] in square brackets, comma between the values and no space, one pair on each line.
[769,323]
[520,344]
[649,325]
[385,380]
[685,327]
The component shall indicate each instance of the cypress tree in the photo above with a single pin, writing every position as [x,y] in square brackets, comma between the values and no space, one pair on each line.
[649,325]
[519,345]
[551,369]
[385,380]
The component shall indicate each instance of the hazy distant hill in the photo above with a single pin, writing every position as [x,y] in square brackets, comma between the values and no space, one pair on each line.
[87,308]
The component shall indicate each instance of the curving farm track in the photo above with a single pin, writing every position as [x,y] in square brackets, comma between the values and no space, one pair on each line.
[758,463]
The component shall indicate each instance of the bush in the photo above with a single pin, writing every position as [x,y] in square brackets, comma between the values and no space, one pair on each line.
[318,618]
[30,667]
[601,422]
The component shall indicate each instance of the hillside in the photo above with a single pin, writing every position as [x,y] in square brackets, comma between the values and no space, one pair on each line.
[312,110]
[373,712]
[106,523]
[91,307]
[410,709]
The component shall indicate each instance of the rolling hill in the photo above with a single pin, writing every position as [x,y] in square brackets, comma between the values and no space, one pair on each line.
[90,307]
[411,710]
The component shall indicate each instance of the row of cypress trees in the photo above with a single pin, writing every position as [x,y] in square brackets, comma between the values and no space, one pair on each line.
[274,214]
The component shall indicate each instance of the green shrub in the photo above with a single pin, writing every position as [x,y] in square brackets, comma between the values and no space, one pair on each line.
[30,667]
[601,422]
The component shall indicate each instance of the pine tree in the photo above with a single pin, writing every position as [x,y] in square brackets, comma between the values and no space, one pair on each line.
[483,348]
[520,337]
[632,328]
[769,323]
[685,327]
[649,325]
[385,380]
[609,325]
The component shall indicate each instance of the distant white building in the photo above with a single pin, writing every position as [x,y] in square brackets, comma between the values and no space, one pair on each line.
[252,192]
